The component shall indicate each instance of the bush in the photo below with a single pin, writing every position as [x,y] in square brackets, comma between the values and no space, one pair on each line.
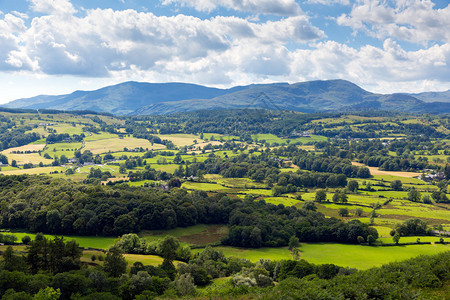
[360,239]
[358,212]
[414,195]
[26,239]
[320,196]
[343,212]
[397,185]
[185,285]
[413,227]
[426,199]
[8,239]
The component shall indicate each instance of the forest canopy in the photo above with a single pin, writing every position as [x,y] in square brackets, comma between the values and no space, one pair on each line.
[57,206]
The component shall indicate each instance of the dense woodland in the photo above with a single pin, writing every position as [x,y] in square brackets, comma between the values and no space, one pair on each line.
[14,137]
[232,122]
[41,204]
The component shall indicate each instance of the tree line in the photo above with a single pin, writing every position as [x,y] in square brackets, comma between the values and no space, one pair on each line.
[57,206]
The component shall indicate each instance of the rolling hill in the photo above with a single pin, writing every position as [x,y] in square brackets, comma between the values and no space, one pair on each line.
[139,98]
[433,96]
[120,99]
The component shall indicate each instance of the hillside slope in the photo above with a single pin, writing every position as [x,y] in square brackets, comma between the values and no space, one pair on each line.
[120,99]
[138,98]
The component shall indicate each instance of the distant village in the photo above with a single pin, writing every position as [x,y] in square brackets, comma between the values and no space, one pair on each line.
[42,124]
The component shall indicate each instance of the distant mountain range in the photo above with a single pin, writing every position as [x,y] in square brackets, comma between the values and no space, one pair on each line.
[140,98]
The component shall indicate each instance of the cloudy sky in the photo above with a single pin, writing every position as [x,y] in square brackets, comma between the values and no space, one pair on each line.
[58,46]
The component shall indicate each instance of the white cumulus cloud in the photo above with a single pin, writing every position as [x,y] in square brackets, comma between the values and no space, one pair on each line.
[329,2]
[275,7]
[104,40]
[415,21]
[372,66]
[222,51]
[11,28]
[61,7]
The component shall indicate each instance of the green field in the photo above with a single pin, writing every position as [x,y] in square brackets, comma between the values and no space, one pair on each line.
[110,168]
[258,192]
[215,187]
[351,208]
[59,128]
[413,239]
[282,200]
[203,186]
[176,232]
[383,231]
[227,153]
[418,212]
[33,171]
[40,141]
[364,200]
[364,257]
[388,194]
[271,138]
[166,168]
[117,144]
[84,241]
[404,180]
[235,182]
[58,149]
[154,160]
[30,147]
[254,255]
[146,260]
[143,182]
[9,168]
[33,158]
[100,136]
[194,158]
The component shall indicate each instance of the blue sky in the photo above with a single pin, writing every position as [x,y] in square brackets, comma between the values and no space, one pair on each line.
[58,46]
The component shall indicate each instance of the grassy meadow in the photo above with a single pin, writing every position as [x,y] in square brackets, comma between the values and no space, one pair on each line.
[364,257]
[181,140]
[84,241]
[58,149]
[118,144]
[271,138]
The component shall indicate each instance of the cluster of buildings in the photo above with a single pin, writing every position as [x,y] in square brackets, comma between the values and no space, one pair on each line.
[42,124]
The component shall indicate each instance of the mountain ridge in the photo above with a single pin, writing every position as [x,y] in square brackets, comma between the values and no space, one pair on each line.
[140,98]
